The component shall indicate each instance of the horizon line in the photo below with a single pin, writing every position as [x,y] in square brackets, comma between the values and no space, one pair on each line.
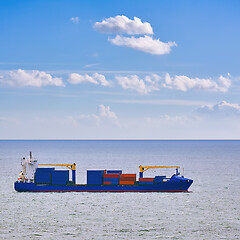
[123,139]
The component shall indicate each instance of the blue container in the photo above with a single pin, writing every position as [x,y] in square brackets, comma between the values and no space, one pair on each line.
[145,183]
[114,181]
[95,177]
[114,171]
[159,179]
[60,177]
[43,175]
[111,179]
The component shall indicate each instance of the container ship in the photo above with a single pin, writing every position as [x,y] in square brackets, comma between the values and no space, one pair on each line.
[34,178]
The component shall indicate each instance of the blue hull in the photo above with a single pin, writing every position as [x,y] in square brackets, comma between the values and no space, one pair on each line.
[175,184]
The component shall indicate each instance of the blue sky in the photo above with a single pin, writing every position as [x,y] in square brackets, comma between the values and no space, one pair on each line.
[119,69]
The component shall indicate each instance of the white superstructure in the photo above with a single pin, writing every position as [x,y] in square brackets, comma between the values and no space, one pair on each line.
[29,166]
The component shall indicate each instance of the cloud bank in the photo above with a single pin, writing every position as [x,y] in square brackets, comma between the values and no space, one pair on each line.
[96,78]
[104,111]
[184,83]
[104,117]
[154,82]
[144,86]
[124,25]
[222,108]
[141,84]
[33,78]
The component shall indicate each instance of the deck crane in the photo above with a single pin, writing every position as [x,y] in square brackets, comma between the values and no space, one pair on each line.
[142,169]
[70,166]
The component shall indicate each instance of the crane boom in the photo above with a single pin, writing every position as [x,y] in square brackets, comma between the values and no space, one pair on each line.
[142,169]
[70,166]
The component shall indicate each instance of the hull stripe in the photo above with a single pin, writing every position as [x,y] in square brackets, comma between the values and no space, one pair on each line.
[107,191]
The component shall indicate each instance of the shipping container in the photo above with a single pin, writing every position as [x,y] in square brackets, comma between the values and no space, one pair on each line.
[128,175]
[95,177]
[114,171]
[43,175]
[127,179]
[126,182]
[114,181]
[107,183]
[60,177]
[111,179]
[146,179]
[111,175]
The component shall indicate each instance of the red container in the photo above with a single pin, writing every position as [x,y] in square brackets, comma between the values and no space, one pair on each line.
[106,183]
[128,175]
[146,179]
[127,179]
[126,182]
[111,175]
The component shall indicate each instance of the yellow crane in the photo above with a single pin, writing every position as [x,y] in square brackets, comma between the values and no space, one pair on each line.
[70,166]
[142,169]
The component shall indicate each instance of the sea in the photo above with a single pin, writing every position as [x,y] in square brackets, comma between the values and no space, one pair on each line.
[210,210]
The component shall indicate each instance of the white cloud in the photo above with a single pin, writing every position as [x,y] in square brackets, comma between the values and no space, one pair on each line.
[104,111]
[225,81]
[74,19]
[33,78]
[147,85]
[75,78]
[185,83]
[96,78]
[122,24]
[107,117]
[146,44]
[153,78]
[101,78]
[104,117]
[220,109]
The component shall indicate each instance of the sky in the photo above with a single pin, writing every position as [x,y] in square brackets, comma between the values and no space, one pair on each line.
[152,69]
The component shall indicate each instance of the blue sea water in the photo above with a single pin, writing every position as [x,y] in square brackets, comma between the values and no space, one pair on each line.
[210,211]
